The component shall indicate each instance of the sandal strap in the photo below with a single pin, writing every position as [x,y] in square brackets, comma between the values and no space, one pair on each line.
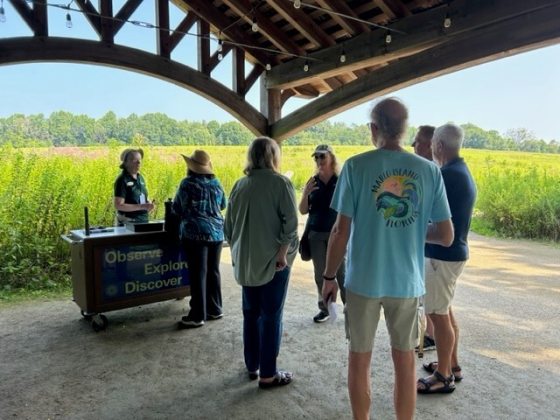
[446,381]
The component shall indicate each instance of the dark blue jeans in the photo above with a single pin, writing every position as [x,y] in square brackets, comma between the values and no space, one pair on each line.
[262,323]
[203,259]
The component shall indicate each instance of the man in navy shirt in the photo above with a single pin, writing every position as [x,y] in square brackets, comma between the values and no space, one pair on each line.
[445,265]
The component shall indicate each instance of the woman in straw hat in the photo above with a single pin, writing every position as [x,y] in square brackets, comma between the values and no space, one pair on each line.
[131,194]
[199,202]
[261,228]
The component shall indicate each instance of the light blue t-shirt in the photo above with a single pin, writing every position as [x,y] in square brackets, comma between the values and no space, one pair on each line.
[390,197]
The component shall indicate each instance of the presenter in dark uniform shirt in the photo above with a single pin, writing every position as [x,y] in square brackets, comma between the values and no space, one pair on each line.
[131,195]
[316,201]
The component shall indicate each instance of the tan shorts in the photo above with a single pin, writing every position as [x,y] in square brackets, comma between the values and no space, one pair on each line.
[441,278]
[362,316]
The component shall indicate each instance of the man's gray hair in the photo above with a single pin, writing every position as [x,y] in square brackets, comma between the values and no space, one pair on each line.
[391,117]
[450,135]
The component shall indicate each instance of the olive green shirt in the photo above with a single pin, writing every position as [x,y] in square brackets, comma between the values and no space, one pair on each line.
[261,217]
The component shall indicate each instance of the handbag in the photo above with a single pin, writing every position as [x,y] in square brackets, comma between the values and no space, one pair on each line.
[304,248]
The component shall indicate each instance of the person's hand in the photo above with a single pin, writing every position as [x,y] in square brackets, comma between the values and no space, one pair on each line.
[281,261]
[148,206]
[329,292]
[310,186]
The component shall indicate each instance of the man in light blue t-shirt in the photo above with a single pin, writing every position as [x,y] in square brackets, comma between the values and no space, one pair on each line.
[385,199]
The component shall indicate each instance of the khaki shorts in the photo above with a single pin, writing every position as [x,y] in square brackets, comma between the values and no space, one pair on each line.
[362,316]
[441,279]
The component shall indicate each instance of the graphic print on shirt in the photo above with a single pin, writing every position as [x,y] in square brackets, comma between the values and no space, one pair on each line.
[397,195]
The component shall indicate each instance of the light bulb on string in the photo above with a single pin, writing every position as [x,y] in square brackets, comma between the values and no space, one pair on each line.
[297,4]
[220,45]
[68,21]
[220,56]
[268,67]
[447,21]
[306,66]
[343,56]
[254,26]
[2,12]
[388,38]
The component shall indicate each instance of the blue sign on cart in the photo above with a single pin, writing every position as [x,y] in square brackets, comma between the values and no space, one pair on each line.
[128,271]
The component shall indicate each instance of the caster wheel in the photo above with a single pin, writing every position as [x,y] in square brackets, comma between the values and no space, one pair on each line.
[99,322]
[87,315]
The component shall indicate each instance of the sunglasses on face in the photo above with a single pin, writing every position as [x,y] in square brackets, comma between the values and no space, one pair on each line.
[320,157]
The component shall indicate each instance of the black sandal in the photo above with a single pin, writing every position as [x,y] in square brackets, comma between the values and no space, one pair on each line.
[428,383]
[280,379]
[455,370]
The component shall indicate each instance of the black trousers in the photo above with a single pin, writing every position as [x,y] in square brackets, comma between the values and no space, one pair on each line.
[203,259]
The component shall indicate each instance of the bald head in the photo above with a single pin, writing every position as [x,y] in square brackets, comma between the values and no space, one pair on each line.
[390,116]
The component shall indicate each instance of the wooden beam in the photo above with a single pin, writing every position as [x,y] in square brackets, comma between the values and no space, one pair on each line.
[522,33]
[181,29]
[203,47]
[52,49]
[162,33]
[34,17]
[125,13]
[349,25]
[205,10]
[106,14]
[91,14]
[238,69]
[253,77]
[41,18]
[267,28]
[302,23]
[393,8]
[423,30]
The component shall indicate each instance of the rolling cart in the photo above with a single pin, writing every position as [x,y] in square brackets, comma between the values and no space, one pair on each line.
[116,268]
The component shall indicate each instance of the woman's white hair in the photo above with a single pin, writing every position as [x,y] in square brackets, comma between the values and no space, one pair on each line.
[450,135]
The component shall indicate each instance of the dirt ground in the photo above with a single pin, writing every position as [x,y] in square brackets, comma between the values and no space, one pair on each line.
[52,364]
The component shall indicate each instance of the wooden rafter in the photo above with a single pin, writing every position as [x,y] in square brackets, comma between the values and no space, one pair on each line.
[35,17]
[352,27]
[393,8]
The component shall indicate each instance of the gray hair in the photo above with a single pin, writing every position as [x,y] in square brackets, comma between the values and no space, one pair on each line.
[450,135]
[391,117]
[263,153]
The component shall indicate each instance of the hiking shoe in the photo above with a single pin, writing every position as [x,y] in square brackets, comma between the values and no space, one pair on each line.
[321,317]
[429,344]
[214,317]
[187,322]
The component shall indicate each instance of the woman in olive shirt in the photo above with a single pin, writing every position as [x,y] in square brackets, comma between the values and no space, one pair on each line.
[131,194]
[261,228]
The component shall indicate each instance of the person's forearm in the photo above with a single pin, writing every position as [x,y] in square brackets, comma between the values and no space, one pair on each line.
[304,204]
[440,233]
[125,207]
[336,250]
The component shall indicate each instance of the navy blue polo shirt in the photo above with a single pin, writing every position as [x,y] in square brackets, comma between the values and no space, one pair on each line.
[321,216]
[461,194]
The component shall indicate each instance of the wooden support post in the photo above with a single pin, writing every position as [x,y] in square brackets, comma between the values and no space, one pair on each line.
[271,104]
[204,47]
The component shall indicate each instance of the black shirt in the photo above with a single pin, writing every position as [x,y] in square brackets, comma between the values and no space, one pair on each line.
[321,216]
[132,190]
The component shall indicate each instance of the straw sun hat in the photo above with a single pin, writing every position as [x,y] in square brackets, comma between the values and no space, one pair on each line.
[199,162]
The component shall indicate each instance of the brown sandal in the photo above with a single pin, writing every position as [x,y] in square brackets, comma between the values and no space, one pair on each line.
[455,370]
[447,388]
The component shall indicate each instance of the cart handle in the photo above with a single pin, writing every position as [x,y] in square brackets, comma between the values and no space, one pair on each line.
[68,238]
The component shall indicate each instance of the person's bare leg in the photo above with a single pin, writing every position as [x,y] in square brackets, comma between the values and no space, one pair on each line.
[405,384]
[445,340]
[359,384]
[455,326]
[429,327]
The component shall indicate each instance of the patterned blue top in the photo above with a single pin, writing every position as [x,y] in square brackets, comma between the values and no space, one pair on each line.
[198,202]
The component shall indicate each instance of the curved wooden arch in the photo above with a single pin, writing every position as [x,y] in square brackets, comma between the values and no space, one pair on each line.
[53,49]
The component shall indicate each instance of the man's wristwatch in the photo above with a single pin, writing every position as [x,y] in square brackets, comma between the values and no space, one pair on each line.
[329,278]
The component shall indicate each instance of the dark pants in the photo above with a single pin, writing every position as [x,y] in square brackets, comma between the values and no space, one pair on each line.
[318,242]
[262,323]
[203,259]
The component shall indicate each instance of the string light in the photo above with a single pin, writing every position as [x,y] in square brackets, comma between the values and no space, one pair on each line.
[268,67]
[68,20]
[2,12]
[297,4]
[254,25]
[220,45]
[447,21]
[306,66]
[343,56]
[388,37]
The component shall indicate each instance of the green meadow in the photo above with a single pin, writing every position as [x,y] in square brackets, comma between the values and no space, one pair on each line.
[44,191]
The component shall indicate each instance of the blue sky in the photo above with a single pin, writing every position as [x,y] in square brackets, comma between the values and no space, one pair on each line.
[522,91]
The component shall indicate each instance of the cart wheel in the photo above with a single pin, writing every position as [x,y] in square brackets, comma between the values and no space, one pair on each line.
[87,315]
[99,322]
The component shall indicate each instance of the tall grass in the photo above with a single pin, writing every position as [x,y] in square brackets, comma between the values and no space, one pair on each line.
[43,193]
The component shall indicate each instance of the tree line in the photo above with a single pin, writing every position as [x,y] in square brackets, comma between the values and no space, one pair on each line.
[63,128]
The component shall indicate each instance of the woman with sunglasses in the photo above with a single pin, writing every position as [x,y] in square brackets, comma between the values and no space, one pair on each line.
[315,201]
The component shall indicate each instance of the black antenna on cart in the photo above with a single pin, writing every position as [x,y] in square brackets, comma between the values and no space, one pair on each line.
[86,220]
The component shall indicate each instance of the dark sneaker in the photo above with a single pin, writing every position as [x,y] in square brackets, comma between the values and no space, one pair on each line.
[187,322]
[214,317]
[429,344]
[321,317]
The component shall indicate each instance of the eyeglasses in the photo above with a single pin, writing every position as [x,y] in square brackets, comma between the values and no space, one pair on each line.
[320,156]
